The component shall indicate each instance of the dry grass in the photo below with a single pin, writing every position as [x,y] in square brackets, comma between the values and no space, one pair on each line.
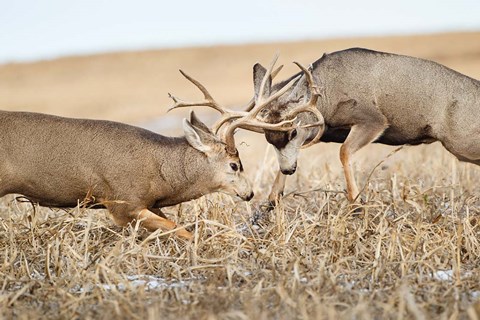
[411,253]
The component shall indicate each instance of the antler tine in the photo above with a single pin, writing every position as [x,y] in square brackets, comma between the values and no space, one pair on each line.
[225,118]
[266,76]
[252,125]
[254,112]
[249,105]
[207,102]
[320,126]
[276,71]
[204,90]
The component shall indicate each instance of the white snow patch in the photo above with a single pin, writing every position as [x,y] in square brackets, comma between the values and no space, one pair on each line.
[443,275]
[449,275]
[136,281]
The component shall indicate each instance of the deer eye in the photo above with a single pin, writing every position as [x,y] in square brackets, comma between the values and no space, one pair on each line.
[234,166]
[293,134]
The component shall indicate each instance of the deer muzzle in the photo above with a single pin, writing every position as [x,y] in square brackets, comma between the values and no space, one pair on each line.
[289,171]
[247,197]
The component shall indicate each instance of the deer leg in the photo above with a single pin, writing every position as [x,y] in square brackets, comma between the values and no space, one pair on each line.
[149,220]
[158,212]
[360,135]
[152,222]
[277,188]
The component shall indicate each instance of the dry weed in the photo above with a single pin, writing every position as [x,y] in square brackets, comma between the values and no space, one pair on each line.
[411,252]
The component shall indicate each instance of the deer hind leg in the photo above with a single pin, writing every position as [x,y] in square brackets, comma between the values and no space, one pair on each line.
[152,222]
[158,212]
[148,219]
[360,135]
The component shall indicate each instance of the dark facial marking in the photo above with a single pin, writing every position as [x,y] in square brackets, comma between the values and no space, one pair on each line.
[278,138]
[292,134]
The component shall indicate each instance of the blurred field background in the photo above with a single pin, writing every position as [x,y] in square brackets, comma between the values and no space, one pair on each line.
[133,86]
[412,253]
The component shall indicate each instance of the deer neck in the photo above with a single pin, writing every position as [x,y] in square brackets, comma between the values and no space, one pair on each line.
[185,174]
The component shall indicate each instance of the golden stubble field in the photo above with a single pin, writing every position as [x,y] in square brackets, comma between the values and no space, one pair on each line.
[412,252]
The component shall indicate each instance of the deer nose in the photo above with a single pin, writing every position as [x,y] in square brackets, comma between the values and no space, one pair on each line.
[249,197]
[289,171]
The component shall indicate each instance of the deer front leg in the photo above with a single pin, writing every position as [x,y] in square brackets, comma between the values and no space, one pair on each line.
[277,188]
[360,135]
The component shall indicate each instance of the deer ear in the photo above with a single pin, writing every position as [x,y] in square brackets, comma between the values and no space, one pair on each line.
[258,74]
[299,90]
[198,124]
[197,138]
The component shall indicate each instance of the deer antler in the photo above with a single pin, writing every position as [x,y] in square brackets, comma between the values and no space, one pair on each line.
[310,106]
[208,101]
[250,121]
[250,106]
[237,119]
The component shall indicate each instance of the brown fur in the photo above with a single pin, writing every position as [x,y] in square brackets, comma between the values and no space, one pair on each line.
[59,162]
[368,96]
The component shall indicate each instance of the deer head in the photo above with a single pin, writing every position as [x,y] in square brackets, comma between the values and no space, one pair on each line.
[224,167]
[261,114]
[296,103]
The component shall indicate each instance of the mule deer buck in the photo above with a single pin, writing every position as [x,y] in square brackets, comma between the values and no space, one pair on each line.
[358,96]
[132,172]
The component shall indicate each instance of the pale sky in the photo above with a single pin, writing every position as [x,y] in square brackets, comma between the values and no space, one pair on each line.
[45,29]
